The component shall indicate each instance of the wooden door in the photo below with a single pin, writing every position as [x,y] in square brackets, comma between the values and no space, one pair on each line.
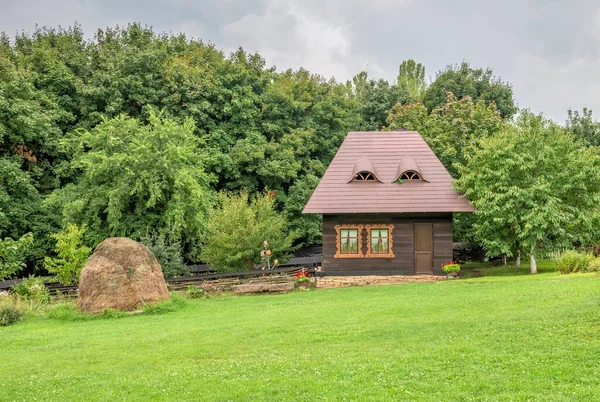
[423,248]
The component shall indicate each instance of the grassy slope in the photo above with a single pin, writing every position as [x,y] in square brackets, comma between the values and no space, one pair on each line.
[502,338]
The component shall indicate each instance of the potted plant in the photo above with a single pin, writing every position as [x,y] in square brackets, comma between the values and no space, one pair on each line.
[451,268]
[302,279]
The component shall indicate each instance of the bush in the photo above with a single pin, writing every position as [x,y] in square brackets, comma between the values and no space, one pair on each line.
[9,314]
[168,253]
[72,255]
[594,265]
[237,229]
[32,289]
[194,292]
[573,261]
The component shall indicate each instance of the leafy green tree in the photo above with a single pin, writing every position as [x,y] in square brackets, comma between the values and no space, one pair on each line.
[135,178]
[310,226]
[239,226]
[374,98]
[584,127]
[534,188]
[12,255]
[19,199]
[411,81]
[72,254]
[477,83]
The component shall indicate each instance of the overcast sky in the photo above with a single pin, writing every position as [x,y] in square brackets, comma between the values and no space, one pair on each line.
[548,49]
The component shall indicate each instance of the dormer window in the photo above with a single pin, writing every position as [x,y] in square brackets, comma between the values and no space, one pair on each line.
[364,171]
[408,170]
[410,175]
[364,176]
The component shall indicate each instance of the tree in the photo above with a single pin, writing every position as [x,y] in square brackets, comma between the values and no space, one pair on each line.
[136,178]
[12,257]
[311,225]
[477,83]
[411,81]
[239,226]
[72,254]
[19,199]
[534,188]
[583,126]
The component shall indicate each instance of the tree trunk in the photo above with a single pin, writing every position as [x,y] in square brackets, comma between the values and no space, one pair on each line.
[504,259]
[518,259]
[533,267]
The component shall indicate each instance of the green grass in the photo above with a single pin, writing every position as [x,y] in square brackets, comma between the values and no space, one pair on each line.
[492,338]
[496,268]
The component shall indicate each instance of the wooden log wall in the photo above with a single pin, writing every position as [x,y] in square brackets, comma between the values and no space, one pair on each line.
[403,244]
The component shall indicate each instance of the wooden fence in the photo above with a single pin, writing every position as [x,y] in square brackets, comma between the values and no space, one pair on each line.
[204,275]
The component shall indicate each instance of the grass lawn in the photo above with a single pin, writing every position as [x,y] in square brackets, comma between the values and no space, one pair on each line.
[491,338]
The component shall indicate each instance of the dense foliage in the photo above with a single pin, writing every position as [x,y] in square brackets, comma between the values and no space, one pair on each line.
[584,127]
[12,255]
[479,84]
[238,228]
[133,178]
[167,251]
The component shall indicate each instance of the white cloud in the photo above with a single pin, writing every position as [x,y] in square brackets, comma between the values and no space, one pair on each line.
[290,36]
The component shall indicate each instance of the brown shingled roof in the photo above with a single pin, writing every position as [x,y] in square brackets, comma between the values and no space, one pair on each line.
[387,151]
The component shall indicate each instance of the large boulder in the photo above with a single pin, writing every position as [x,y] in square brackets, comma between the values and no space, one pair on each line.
[121,274]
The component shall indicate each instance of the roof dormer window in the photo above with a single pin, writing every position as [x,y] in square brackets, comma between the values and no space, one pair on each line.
[364,176]
[408,170]
[364,171]
[410,175]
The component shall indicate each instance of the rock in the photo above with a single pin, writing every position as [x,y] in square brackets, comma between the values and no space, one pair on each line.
[263,288]
[121,274]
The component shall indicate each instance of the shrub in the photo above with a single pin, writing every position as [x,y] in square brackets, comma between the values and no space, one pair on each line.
[239,227]
[32,289]
[9,314]
[451,267]
[72,255]
[584,262]
[12,258]
[168,252]
[194,292]
[573,261]
[594,265]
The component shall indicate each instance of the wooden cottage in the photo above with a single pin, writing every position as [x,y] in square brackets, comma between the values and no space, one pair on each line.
[387,204]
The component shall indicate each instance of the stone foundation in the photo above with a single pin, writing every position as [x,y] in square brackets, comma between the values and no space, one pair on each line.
[343,281]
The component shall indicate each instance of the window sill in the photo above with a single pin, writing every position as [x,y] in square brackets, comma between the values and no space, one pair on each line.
[348,256]
[380,256]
